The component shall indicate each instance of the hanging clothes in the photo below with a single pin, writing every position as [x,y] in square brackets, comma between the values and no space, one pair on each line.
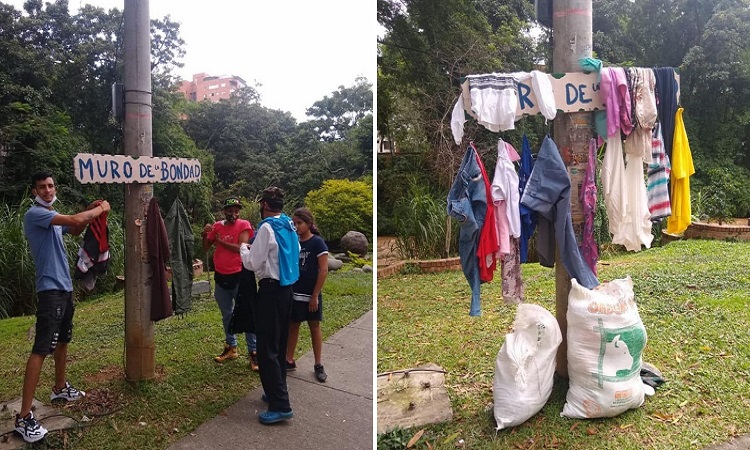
[510,265]
[467,203]
[657,185]
[613,184]
[158,255]
[488,244]
[666,104]
[542,89]
[181,247]
[616,96]
[494,99]
[548,193]
[644,98]
[527,216]
[505,196]
[587,195]
[93,254]
[635,229]
[682,168]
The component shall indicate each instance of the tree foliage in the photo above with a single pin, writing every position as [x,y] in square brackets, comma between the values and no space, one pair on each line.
[340,206]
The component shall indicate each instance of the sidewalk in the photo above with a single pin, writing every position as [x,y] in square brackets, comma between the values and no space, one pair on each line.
[332,415]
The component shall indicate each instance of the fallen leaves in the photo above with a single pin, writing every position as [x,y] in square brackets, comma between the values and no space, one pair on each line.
[415,438]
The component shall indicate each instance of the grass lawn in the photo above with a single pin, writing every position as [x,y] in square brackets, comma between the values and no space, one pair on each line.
[693,299]
[189,388]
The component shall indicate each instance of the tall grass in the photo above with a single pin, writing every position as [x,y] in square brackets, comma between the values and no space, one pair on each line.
[17,272]
[16,267]
[422,224]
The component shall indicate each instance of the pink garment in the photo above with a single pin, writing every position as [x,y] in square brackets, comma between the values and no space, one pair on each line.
[505,197]
[587,194]
[616,94]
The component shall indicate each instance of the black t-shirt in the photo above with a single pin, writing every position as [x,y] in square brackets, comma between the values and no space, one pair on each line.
[308,267]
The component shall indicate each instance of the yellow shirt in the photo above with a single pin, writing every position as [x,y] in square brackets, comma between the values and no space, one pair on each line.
[682,168]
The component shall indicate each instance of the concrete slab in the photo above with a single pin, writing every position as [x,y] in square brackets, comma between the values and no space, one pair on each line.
[332,415]
[412,397]
[738,443]
[200,287]
[48,415]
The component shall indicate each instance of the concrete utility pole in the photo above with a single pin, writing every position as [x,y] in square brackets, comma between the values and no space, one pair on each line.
[139,330]
[572,40]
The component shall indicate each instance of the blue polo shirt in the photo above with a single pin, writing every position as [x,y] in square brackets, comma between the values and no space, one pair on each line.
[47,249]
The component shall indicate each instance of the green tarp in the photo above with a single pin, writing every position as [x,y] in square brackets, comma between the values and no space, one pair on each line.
[181,244]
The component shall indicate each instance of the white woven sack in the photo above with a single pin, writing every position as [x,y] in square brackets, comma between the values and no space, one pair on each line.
[525,366]
[606,339]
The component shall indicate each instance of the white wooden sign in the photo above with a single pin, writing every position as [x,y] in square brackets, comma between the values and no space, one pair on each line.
[574,91]
[94,168]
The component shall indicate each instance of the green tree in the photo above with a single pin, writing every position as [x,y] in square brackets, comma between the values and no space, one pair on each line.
[335,116]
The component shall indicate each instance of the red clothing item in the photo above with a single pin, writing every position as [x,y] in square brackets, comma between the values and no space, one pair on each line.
[488,240]
[227,262]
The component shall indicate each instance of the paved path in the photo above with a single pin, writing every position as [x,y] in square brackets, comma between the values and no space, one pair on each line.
[333,415]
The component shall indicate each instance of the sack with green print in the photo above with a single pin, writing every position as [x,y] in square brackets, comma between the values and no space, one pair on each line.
[606,338]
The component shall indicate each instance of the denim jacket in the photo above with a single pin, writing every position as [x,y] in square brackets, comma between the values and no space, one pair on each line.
[548,193]
[467,203]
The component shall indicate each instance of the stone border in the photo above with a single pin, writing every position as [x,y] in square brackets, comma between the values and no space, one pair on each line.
[426,266]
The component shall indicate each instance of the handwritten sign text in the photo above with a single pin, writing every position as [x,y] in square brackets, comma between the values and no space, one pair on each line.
[93,168]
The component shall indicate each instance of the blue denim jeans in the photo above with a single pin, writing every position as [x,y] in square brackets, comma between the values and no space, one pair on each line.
[225,300]
[467,203]
[548,193]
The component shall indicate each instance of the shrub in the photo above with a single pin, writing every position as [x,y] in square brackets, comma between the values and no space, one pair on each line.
[422,224]
[340,206]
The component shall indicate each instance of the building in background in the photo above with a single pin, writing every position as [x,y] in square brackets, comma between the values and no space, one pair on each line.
[211,88]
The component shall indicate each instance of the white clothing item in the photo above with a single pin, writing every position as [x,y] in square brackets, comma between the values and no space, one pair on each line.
[40,201]
[638,143]
[458,118]
[262,257]
[645,97]
[505,188]
[542,88]
[613,184]
[494,99]
[635,229]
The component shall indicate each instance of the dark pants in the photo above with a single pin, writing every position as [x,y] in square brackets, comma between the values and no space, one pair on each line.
[273,311]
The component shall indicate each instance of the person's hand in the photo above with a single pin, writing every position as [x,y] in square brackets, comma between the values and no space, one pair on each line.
[206,229]
[105,206]
[313,306]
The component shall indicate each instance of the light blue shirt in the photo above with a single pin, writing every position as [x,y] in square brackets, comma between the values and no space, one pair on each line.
[47,249]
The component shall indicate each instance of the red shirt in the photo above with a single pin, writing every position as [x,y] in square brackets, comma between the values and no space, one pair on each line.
[228,262]
[488,241]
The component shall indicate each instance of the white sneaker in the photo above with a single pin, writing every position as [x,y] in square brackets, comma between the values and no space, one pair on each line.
[68,393]
[29,429]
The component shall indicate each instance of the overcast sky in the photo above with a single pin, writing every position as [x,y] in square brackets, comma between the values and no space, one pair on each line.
[299,50]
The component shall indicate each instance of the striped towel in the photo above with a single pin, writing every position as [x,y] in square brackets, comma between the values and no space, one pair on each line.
[658,178]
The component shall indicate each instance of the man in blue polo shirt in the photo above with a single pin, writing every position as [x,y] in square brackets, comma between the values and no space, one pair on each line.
[44,227]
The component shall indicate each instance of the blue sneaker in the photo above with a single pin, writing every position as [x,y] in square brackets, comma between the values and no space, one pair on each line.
[269,417]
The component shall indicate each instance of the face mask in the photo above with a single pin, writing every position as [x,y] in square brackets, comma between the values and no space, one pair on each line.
[39,200]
